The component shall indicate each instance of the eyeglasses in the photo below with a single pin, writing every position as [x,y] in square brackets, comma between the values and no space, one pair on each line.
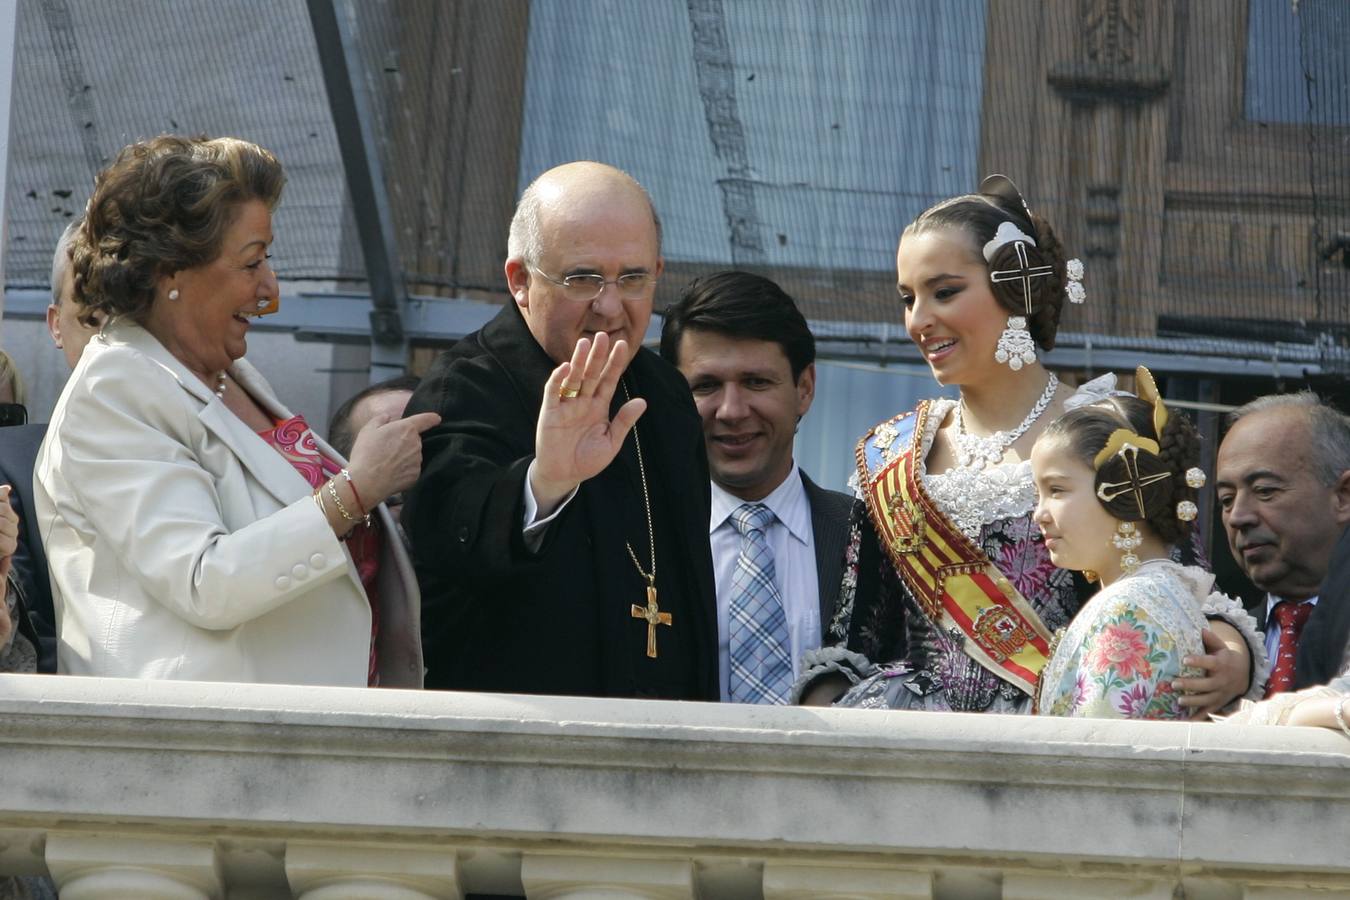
[585,288]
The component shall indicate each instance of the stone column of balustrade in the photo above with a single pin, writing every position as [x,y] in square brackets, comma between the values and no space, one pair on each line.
[343,872]
[97,867]
[788,881]
[612,878]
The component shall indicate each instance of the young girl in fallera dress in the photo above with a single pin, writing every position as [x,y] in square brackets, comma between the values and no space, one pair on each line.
[1116,482]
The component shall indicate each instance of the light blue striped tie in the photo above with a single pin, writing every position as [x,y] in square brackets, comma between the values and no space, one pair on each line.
[761,661]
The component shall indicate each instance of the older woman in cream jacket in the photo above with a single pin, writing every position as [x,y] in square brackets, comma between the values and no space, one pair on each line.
[195,528]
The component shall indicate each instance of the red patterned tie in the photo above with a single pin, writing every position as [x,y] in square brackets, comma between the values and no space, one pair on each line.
[1292,616]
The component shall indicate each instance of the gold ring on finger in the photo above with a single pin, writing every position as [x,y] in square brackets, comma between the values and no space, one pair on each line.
[567,393]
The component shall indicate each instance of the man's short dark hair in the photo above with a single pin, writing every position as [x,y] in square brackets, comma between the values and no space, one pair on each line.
[340,435]
[744,306]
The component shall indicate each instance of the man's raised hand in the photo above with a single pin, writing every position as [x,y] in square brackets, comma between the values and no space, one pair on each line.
[575,438]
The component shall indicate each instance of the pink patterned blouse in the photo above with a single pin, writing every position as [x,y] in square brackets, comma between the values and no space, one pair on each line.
[294,440]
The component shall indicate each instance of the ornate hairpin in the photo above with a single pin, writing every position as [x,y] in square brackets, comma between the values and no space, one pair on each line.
[1073,288]
[1126,445]
[1147,389]
[1118,464]
[1002,187]
[1008,233]
[1195,479]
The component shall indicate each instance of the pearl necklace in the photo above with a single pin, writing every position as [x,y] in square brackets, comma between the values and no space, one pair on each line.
[974,452]
[220,385]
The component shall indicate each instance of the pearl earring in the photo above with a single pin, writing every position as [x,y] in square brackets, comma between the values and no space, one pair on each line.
[173,294]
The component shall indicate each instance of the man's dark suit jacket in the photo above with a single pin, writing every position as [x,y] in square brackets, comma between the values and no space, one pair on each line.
[1321,648]
[497,616]
[829,522]
[18,450]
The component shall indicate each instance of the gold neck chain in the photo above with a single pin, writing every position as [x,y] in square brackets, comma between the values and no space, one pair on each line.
[646,503]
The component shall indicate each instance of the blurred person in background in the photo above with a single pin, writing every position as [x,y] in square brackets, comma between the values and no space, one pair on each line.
[195,527]
[18,654]
[71,325]
[13,393]
[384,401]
[18,642]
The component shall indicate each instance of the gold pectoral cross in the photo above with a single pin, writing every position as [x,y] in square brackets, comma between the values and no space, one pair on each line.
[652,613]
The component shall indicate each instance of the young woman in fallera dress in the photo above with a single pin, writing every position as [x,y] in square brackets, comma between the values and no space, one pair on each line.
[949,598]
[1117,482]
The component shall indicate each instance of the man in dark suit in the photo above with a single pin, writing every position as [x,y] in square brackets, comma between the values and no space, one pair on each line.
[749,358]
[558,544]
[1326,641]
[71,326]
[1283,486]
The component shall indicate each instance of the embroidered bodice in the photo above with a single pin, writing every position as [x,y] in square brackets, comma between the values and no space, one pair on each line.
[973,498]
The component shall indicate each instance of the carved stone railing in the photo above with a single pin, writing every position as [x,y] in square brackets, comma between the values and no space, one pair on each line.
[126,789]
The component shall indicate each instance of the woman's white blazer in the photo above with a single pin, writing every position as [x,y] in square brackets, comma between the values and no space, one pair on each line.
[181,545]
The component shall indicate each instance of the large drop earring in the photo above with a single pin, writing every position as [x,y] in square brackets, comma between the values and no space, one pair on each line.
[1015,346]
[1127,539]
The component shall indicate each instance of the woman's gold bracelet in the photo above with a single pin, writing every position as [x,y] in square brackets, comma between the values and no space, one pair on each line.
[360,504]
[341,507]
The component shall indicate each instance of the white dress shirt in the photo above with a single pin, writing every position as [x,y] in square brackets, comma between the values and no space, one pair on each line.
[534,528]
[1273,625]
[793,543]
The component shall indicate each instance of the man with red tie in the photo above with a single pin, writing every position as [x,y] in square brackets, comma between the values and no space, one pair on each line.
[1283,486]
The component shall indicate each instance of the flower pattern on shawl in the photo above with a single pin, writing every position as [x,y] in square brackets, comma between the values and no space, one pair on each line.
[1120,664]
[1122,649]
[1134,702]
[1080,690]
[1165,704]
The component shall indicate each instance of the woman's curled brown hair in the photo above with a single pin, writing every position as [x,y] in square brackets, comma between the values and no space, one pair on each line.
[163,205]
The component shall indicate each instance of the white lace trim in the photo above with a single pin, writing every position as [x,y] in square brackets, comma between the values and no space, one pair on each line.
[1221,606]
[973,498]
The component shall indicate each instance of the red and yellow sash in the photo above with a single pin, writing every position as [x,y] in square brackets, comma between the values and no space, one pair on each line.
[952,579]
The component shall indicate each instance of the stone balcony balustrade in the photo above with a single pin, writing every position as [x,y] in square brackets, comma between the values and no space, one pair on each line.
[179,791]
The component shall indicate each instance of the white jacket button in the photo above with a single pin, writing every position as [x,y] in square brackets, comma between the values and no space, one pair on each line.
[318,561]
[283,582]
[300,572]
